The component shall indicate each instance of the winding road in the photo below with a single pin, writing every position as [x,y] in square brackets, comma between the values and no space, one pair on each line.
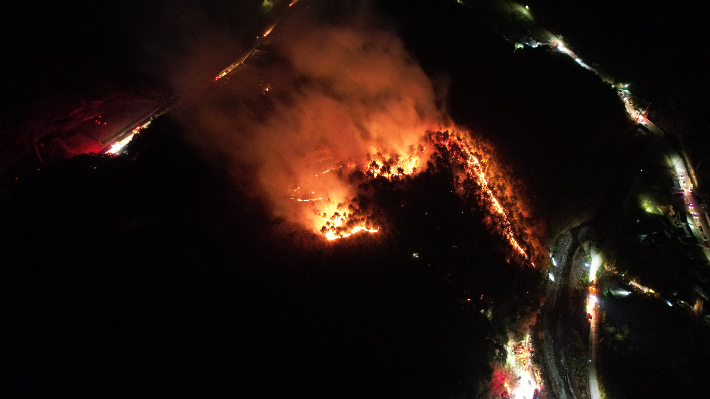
[552,316]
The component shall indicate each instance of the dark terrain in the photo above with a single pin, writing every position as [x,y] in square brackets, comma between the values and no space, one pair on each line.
[157,273]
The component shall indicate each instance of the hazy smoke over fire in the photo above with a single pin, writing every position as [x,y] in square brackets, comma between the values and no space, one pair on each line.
[333,96]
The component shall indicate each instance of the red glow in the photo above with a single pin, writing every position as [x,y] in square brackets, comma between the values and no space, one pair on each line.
[461,149]
[338,219]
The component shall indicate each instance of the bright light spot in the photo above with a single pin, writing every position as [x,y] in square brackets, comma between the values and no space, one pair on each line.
[415,255]
[554,262]
[561,47]
[474,169]
[669,303]
[596,262]
[526,389]
[552,278]
[331,235]
[118,146]
[269,30]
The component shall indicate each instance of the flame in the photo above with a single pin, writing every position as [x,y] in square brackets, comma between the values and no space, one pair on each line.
[461,148]
[338,223]
[388,166]
[337,219]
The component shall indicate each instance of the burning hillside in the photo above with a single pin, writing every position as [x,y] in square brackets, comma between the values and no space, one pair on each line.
[345,105]
[339,217]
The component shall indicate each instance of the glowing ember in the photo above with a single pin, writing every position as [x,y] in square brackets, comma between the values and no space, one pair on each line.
[460,148]
[335,220]
[341,223]
[338,219]
[389,166]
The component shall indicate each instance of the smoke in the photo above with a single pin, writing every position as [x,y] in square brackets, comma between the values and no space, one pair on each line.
[327,96]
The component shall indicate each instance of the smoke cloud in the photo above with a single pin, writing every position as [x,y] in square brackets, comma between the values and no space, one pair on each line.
[315,96]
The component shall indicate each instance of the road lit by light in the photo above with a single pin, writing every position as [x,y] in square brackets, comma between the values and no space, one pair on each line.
[118,146]
[596,262]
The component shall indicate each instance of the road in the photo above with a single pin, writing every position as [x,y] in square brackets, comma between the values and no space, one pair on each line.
[553,320]
[593,340]
[697,216]
[698,220]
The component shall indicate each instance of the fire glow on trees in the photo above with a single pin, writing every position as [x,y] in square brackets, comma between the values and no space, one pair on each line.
[462,151]
[337,94]
[338,219]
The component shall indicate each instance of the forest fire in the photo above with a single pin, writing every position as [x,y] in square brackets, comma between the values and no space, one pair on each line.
[394,165]
[339,224]
[352,109]
[338,219]
[461,150]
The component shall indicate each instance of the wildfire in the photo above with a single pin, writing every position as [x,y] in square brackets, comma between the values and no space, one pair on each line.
[338,224]
[338,219]
[459,147]
[389,166]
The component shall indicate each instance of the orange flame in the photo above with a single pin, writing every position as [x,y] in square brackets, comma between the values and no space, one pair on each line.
[459,146]
[389,166]
[335,220]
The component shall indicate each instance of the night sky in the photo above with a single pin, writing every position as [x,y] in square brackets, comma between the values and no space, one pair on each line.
[164,272]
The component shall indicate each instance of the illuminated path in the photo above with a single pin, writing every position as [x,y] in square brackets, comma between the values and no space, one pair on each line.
[592,308]
[593,337]
[551,319]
